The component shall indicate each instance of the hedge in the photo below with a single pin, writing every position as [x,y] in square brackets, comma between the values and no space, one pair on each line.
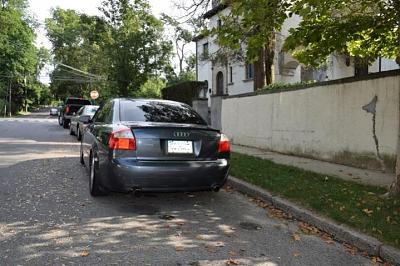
[184,92]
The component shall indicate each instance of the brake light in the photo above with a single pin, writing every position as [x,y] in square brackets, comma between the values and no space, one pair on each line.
[67,109]
[122,139]
[224,145]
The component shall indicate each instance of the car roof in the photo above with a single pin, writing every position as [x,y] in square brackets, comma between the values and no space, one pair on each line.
[151,100]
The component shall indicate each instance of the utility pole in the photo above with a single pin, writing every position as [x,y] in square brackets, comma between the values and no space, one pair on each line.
[9,86]
[26,95]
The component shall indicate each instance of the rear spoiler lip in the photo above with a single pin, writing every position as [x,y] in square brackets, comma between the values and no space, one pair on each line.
[167,125]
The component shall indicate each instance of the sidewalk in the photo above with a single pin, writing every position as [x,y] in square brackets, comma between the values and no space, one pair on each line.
[344,172]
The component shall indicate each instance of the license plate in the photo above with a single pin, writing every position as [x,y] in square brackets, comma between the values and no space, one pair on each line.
[180,146]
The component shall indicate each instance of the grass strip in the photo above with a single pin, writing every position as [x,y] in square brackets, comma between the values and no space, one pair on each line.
[359,206]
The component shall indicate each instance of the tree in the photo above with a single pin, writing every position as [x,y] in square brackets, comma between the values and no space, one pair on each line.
[136,49]
[368,29]
[247,33]
[151,89]
[18,55]
[181,36]
[78,42]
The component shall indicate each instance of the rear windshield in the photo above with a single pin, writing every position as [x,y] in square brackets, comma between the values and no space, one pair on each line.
[154,111]
[90,110]
[78,102]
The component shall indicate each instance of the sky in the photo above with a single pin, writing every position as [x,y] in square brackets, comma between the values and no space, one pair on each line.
[41,10]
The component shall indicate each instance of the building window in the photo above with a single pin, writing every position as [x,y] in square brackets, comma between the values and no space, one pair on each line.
[219,24]
[249,71]
[205,51]
[231,75]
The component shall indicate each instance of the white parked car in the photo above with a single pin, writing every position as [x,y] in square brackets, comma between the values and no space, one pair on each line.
[53,111]
[76,128]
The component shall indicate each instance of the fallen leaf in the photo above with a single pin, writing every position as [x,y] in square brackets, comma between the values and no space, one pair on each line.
[376,259]
[231,253]
[179,248]
[220,244]
[296,254]
[232,262]
[368,211]
[210,248]
[85,253]
[201,237]
[167,217]
[296,237]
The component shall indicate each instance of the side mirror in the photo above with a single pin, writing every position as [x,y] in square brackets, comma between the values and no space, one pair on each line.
[85,119]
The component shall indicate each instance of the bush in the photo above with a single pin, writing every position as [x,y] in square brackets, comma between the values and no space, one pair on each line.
[280,85]
[184,92]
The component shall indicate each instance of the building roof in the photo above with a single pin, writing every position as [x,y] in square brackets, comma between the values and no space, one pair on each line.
[215,10]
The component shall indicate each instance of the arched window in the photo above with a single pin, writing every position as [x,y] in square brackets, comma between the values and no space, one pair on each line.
[220,83]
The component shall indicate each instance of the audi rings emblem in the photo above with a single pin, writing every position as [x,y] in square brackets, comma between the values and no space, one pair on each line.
[180,134]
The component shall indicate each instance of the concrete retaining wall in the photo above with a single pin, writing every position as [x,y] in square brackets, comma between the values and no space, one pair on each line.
[325,122]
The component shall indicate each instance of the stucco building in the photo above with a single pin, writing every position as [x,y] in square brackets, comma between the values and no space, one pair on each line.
[237,77]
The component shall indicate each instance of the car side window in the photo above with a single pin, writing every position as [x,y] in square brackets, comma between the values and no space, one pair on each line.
[104,114]
[80,111]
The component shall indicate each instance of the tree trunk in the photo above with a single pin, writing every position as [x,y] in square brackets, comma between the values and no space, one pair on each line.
[395,187]
[269,60]
[259,72]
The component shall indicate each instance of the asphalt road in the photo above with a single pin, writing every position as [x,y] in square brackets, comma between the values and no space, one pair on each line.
[47,216]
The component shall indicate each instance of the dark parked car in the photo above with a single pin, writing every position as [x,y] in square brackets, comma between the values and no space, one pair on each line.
[152,145]
[76,128]
[71,106]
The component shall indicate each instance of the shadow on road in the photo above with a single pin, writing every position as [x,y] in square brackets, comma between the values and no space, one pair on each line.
[51,217]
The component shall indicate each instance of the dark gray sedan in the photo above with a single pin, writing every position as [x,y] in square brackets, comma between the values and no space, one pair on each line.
[152,145]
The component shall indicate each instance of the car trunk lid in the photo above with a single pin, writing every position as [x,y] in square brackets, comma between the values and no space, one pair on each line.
[169,141]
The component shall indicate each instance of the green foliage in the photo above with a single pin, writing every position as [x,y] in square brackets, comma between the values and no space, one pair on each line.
[77,40]
[282,86]
[181,37]
[151,89]
[251,25]
[184,92]
[135,49]
[20,60]
[366,29]
[123,49]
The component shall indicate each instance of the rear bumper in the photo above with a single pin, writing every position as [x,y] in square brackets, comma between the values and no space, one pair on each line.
[126,175]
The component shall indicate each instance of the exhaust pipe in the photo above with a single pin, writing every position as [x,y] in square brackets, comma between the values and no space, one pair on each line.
[215,188]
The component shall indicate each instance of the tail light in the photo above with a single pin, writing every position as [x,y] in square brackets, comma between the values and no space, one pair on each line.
[224,145]
[67,109]
[122,139]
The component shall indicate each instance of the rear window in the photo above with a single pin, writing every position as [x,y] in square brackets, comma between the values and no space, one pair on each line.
[78,102]
[154,111]
[90,110]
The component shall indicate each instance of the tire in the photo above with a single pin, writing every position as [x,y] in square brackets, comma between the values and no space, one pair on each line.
[81,159]
[60,121]
[94,186]
[78,133]
[71,132]
[65,123]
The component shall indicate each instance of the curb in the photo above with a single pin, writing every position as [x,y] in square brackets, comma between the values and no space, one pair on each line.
[340,232]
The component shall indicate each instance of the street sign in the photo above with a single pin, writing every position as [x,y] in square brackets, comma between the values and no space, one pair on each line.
[94,95]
